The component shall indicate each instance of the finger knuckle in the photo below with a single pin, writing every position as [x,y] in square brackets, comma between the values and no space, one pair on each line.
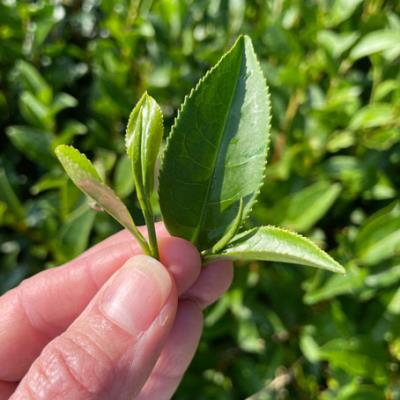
[71,367]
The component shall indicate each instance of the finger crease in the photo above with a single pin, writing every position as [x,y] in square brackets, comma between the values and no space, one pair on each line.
[35,327]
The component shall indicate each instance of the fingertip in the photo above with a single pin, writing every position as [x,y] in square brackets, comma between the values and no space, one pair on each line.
[182,259]
[214,280]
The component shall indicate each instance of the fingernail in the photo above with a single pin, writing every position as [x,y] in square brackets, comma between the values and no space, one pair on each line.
[137,294]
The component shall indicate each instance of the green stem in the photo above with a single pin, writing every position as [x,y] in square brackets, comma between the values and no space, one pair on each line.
[151,230]
[142,241]
[149,219]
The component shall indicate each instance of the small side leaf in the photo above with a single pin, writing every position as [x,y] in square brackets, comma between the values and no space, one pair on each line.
[86,178]
[268,243]
[231,231]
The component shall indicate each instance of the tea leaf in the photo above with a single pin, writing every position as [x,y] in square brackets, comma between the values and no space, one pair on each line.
[74,233]
[86,178]
[217,149]
[9,197]
[34,143]
[301,210]
[231,231]
[76,164]
[143,140]
[123,186]
[379,236]
[268,243]
[376,41]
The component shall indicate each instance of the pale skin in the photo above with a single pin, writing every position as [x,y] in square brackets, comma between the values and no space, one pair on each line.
[111,324]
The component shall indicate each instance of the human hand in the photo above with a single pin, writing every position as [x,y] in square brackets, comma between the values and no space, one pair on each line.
[111,324]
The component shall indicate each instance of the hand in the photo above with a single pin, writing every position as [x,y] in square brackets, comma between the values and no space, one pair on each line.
[111,324]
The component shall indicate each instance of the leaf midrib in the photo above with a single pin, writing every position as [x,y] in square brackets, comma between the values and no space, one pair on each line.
[203,213]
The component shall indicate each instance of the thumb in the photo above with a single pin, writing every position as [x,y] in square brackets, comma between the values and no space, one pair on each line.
[110,350]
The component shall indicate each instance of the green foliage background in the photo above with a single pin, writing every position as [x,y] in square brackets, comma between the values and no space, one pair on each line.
[71,71]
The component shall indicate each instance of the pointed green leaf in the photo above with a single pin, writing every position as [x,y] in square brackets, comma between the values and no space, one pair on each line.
[268,243]
[217,149]
[86,178]
[143,140]
[231,232]
[76,164]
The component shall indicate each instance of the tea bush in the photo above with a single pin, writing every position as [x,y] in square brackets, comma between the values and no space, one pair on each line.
[70,72]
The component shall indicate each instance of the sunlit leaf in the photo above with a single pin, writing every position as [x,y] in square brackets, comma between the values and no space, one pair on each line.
[269,243]
[85,176]
[217,149]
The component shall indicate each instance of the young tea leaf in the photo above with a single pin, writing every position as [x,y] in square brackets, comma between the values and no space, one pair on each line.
[231,231]
[268,243]
[217,149]
[143,140]
[86,178]
[144,134]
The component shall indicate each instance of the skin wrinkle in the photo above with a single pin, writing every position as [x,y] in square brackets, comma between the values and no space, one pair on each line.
[102,371]
[29,391]
[65,369]
[88,270]
[22,306]
[99,350]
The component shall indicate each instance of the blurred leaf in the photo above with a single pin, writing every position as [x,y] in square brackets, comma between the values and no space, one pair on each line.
[9,197]
[249,338]
[62,101]
[34,82]
[34,111]
[48,182]
[123,181]
[367,357]
[379,236]
[377,41]
[372,116]
[74,233]
[394,304]
[381,139]
[337,285]
[336,44]
[342,10]
[385,278]
[300,211]
[34,143]
[70,129]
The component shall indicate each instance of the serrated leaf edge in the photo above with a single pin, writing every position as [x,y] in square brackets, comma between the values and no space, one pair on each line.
[339,268]
[195,88]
